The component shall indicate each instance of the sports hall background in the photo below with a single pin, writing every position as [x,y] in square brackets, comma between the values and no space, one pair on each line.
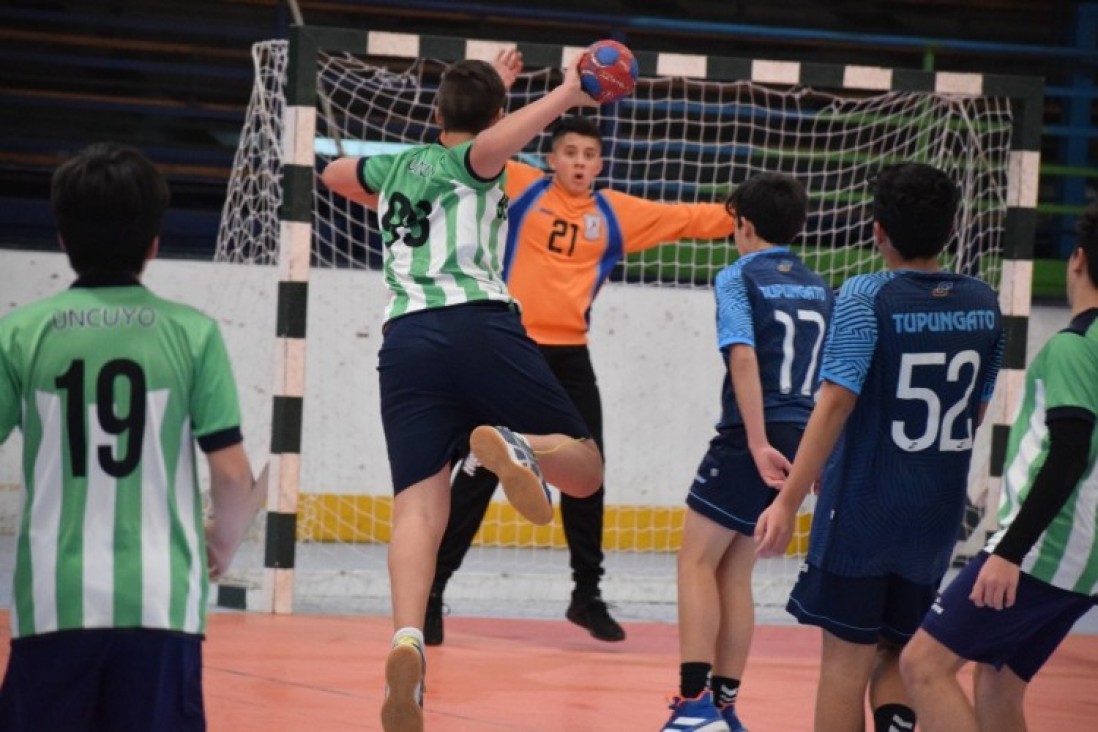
[173,76]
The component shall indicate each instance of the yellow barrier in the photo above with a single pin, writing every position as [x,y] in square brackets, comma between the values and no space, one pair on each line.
[329,517]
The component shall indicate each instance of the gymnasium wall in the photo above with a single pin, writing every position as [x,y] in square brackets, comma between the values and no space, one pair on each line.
[653,351]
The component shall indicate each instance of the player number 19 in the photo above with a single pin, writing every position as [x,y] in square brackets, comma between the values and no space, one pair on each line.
[939,427]
[128,422]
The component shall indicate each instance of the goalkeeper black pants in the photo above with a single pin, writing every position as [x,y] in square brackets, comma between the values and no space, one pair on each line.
[582,517]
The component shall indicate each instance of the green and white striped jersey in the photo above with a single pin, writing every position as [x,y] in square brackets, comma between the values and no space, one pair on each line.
[443,228]
[111,385]
[1063,375]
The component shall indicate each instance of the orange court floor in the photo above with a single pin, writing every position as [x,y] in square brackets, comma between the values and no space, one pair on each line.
[324,673]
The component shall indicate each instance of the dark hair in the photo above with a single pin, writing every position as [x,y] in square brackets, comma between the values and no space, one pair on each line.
[1087,229]
[469,97]
[916,205]
[579,125]
[108,202]
[775,203]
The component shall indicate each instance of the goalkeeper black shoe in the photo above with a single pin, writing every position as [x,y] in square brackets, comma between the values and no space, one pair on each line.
[594,615]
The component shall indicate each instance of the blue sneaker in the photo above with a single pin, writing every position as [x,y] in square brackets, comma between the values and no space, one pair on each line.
[728,713]
[509,456]
[695,715]
[402,710]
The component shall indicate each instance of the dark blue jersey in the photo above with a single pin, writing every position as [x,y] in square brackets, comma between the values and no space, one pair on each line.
[771,301]
[921,351]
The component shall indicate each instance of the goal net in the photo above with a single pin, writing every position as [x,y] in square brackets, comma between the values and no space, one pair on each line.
[682,136]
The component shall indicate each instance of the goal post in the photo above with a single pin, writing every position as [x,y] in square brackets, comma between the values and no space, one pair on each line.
[696,126]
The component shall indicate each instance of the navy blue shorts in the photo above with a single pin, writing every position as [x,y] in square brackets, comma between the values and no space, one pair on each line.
[104,681]
[447,370]
[1021,637]
[728,488]
[860,609]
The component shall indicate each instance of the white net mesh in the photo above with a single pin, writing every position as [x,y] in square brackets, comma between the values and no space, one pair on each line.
[675,139]
[249,220]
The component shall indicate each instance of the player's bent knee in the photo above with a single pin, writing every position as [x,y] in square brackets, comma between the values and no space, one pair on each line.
[593,473]
[919,662]
[589,487]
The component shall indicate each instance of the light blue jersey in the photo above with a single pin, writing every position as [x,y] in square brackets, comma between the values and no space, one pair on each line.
[771,301]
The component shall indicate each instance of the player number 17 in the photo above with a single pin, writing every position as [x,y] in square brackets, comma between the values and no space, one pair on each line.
[785,373]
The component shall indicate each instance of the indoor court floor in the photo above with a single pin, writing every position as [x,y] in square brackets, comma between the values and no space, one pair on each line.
[323,673]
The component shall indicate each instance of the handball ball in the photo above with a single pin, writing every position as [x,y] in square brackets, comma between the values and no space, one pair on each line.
[608,71]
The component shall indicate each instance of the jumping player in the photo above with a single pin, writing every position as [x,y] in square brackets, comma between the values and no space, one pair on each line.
[910,362]
[1013,604]
[563,241]
[772,314]
[455,359]
[111,386]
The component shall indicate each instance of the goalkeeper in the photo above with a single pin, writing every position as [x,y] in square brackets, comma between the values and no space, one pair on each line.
[564,238]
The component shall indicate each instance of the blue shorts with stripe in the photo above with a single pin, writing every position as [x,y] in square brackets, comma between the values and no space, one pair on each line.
[862,610]
[104,680]
[447,370]
[1021,637]
[727,488]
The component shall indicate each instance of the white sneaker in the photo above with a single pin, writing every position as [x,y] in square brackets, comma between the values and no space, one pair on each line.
[509,456]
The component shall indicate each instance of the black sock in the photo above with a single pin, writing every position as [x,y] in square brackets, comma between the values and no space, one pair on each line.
[725,690]
[584,595]
[894,718]
[693,678]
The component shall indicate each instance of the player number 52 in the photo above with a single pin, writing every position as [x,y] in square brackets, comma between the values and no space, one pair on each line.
[939,427]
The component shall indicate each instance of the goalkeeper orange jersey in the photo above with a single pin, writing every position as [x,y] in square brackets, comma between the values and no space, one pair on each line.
[561,247]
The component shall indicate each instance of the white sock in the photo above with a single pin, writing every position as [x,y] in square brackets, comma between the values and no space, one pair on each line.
[415,633]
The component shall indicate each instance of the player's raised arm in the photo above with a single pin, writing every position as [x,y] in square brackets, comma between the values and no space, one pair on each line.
[342,176]
[495,145]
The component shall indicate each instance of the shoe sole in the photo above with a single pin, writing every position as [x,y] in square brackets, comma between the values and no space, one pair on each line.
[400,711]
[596,636]
[521,485]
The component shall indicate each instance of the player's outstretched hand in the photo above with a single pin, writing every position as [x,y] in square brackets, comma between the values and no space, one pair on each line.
[773,467]
[996,585]
[572,83]
[774,529]
[508,65]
